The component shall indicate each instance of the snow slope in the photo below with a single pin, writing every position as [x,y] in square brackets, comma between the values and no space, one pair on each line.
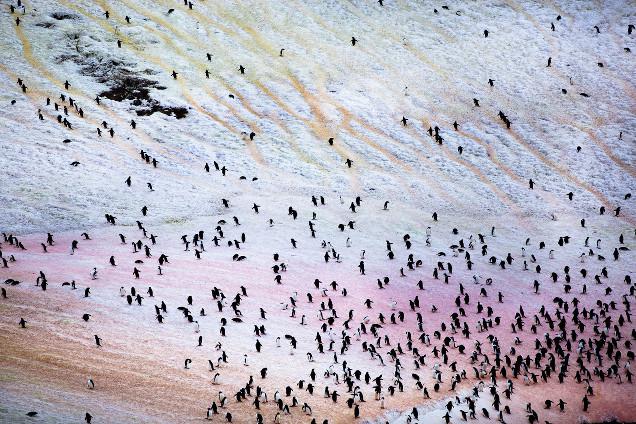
[323,87]
[409,61]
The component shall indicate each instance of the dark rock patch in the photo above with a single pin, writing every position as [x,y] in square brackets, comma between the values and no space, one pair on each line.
[62,16]
[123,83]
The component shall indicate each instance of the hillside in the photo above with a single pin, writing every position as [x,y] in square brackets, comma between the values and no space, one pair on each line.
[448,112]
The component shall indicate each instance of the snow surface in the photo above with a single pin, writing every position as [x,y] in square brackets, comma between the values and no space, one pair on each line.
[408,61]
